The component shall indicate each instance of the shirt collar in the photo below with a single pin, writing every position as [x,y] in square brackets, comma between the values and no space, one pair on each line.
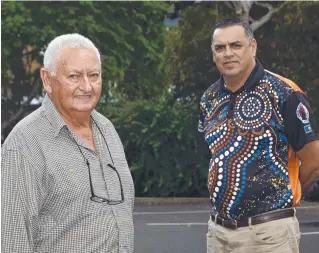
[52,115]
[55,117]
[256,74]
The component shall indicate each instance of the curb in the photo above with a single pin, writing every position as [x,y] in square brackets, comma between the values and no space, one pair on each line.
[200,200]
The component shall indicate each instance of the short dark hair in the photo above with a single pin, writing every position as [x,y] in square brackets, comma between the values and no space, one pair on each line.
[232,22]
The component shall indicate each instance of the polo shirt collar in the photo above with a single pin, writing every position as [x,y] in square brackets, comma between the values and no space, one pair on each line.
[255,76]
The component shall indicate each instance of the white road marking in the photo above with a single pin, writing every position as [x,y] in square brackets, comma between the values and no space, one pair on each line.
[308,207]
[311,233]
[177,224]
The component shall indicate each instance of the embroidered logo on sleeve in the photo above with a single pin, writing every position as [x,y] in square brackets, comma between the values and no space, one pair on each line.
[303,113]
[308,129]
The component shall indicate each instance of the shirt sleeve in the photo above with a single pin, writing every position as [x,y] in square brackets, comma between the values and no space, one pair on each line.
[299,121]
[19,203]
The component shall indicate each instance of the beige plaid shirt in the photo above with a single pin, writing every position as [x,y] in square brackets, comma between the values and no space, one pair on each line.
[46,204]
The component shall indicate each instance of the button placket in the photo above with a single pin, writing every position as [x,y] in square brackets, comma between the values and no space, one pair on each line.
[232,103]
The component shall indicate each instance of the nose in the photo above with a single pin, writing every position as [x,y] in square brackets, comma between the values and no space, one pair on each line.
[86,85]
[228,51]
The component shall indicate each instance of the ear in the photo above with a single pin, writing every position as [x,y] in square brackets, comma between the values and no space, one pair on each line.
[254,47]
[47,83]
[214,59]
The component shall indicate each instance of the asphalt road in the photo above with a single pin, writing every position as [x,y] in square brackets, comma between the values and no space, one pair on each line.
[182,228]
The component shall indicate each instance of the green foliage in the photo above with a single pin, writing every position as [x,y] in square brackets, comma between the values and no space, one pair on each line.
[187,57]
[121,30]
[161,147]
[288,45]
[129,36]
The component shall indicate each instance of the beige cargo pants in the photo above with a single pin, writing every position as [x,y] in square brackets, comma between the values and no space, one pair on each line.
[279,236]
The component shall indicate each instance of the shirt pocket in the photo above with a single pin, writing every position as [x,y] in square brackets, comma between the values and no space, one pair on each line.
[273,232]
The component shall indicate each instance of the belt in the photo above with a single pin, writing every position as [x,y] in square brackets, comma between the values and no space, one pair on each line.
[258,219]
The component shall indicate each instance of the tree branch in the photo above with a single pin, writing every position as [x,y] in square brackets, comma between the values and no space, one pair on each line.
[238,7]
[15,116]
[228,4]
[242,8]
[258,23]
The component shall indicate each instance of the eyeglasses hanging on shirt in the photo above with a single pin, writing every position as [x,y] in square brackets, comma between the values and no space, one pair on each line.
[94,197]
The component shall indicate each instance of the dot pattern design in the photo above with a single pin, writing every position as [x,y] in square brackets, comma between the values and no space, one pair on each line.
[248,171]
[252,110]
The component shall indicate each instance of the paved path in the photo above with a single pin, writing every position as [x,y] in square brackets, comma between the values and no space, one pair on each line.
[181,228]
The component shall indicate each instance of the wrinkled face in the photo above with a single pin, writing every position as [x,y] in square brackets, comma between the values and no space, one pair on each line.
[233,53]
[77,85]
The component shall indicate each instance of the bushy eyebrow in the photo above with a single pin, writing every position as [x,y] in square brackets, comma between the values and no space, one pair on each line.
[80,71]
[231,43]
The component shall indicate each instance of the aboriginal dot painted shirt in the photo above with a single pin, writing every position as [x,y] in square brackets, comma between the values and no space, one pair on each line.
[253,134]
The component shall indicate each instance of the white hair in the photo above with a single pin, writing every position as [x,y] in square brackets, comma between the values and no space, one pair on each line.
[73,40]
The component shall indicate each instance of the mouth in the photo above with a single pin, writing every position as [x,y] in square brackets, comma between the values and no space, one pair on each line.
[229,62]
[83,96]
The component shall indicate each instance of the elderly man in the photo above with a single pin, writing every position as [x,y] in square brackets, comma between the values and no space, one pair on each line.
[66,185]
[259,127]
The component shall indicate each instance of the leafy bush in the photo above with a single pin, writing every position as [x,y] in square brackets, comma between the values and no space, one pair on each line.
[161,143]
